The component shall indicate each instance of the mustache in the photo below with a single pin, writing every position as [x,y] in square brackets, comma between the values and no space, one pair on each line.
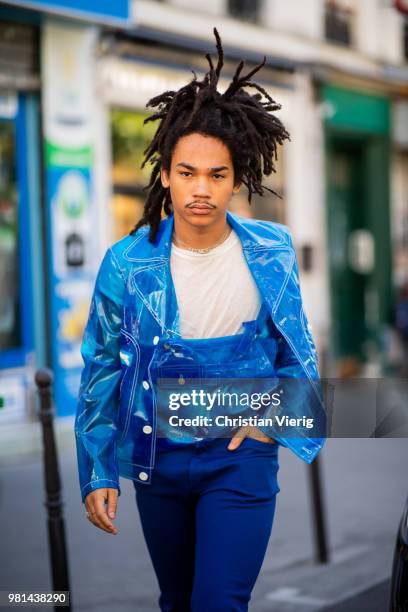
[197,202]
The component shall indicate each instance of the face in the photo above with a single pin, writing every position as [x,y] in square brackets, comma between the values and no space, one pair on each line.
[201,180]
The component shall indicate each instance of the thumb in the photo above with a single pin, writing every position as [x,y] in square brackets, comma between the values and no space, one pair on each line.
[236,440]
[112,502]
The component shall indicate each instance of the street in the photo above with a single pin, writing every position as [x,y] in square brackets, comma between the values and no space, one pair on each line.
[365,487]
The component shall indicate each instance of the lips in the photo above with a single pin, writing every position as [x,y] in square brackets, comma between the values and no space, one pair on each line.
[201,206]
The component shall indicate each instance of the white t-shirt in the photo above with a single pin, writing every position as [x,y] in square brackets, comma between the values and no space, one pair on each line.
[215,291]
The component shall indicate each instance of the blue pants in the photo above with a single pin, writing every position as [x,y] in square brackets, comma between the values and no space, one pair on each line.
[207,517]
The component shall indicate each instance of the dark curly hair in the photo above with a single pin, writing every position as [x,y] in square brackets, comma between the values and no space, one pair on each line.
[243,122]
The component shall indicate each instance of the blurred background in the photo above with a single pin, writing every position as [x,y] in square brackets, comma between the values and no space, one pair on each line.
[74,80]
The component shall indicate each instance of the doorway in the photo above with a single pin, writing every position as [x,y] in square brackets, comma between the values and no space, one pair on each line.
[359,249]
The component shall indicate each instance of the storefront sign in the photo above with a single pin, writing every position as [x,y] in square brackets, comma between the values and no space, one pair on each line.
[103,11]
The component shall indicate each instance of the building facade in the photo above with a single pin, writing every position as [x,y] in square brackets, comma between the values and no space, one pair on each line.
[73,88]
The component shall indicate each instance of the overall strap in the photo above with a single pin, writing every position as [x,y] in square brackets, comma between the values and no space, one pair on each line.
[262,318]
[254,328]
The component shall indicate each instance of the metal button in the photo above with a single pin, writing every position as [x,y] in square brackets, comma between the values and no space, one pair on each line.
[156,340]
[143,476]
[181,380]
[146,385]
[147,429]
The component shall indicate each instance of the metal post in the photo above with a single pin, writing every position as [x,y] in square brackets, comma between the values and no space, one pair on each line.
[316,491]
[53,503]
[318,516]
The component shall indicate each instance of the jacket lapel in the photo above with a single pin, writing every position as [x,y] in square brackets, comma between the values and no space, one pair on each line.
[151,277]
[269,256]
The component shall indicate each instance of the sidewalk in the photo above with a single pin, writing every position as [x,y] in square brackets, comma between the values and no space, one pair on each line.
[365,484]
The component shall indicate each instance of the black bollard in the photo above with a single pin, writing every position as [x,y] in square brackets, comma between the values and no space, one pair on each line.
[53,503]
[318,516]
[316,490]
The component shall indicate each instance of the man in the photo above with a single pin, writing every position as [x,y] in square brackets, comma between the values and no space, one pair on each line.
[199,295]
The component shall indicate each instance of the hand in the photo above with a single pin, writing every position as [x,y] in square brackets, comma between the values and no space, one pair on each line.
[251,432]
[98,515]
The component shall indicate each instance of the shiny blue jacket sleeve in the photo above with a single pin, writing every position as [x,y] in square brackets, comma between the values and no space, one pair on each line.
[303,394]
[98,398]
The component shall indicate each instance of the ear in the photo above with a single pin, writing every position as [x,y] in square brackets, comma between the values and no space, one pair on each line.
[236,188]
[164,176]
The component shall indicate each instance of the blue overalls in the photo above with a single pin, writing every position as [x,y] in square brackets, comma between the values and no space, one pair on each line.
[208,512]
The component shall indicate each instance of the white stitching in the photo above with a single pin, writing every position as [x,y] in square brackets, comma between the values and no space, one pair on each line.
[132,393]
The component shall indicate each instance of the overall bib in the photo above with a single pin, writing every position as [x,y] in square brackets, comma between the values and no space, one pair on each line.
[207,514]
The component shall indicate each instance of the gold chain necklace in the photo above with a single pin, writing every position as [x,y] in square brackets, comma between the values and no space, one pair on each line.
[182,244]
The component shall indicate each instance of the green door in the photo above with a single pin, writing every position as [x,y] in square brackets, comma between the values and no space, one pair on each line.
[359,246]
[347,213]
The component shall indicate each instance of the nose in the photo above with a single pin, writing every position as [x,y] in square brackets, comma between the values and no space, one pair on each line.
[201,189]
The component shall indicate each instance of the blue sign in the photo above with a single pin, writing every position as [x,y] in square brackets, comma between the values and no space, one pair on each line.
[105,11]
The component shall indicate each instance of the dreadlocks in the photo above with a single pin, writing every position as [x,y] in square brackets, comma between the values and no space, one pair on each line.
[241,121]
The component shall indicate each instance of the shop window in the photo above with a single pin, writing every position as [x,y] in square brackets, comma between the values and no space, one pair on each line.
[19,56]
[339,22]
[130,137]
[268,207]
[10,332]
[247,10]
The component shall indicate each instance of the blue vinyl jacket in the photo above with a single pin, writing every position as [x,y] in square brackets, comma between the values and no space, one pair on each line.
[134,311]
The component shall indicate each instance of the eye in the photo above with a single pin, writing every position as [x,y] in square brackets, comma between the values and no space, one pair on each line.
[185,173]
[217,176]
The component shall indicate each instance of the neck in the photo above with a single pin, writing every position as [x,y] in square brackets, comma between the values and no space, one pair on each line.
[198,237]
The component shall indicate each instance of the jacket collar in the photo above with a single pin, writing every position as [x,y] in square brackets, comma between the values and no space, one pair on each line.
[247,230]
[265,246]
